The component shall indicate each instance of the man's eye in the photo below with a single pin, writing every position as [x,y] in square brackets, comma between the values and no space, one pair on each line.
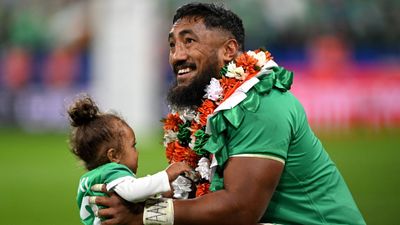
[189,40]
[171,44]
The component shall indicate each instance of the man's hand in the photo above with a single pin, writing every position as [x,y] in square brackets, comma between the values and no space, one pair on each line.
[118,210]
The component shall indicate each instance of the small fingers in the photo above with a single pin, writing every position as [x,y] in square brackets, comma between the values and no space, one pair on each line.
[187,167]
[183,166]
[192,175]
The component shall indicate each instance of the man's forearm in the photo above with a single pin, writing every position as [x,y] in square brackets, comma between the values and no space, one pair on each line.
[214,208]
[237,203]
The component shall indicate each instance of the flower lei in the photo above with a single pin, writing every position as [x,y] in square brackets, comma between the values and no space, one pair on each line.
[184,129]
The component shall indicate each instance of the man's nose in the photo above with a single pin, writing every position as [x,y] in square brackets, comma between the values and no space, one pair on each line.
[180,53]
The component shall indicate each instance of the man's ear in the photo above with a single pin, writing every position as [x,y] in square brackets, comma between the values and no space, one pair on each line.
[231,49]
[113,155]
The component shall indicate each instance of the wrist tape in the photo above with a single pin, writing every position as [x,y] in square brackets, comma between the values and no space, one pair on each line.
[158,212]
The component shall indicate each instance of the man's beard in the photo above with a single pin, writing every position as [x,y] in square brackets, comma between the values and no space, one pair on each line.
[192,94]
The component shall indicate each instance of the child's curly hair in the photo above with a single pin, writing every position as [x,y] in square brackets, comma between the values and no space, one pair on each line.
[93,132]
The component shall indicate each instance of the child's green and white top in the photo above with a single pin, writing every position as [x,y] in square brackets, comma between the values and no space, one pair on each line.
[123,181]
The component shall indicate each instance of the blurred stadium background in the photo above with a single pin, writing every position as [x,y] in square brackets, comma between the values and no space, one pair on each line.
[345,55]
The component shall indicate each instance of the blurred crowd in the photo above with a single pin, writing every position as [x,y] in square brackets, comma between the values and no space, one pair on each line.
[347,51]
[41,42]
[44,55]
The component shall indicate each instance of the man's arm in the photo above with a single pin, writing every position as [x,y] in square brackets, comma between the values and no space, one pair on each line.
[249,184]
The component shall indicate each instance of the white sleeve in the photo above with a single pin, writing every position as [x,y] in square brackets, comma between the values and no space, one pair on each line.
[138,189]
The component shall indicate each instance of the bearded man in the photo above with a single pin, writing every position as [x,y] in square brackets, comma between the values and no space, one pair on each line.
[267,166]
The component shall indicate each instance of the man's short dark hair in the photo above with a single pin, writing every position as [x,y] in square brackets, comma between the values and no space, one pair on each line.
[214,16]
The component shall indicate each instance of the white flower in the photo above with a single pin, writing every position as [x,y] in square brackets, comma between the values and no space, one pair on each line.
[204,168]
[240,75]
[235,72]
[172,109]
[197,117]
[192,141]
[187,114]
[231,70]
[260,56]
[213,90]
[262,59]
[251,53]
[170,136]
[181,187]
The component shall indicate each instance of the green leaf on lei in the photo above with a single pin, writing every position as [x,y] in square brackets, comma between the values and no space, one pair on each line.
[224,70]
[184,134]
[201,139]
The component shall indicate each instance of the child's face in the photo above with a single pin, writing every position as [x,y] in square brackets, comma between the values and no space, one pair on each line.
[129,156]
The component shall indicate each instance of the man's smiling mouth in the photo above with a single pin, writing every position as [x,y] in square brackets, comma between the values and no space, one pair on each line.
[184,71]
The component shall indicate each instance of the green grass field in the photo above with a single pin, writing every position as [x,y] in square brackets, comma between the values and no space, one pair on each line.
[40,175]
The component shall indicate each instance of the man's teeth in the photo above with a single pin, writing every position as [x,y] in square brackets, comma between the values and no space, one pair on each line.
[182,71]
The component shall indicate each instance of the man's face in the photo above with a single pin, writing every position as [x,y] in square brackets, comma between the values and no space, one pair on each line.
[195,57]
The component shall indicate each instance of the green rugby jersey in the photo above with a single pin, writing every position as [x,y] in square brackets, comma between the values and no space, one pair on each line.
[103,174]
[273,124]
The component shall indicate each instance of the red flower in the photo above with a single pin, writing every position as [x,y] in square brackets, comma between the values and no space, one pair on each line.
[195,126]
[184,154]
[202,189]
[268,55]
[227,83]
[172,121]
[247,62]
[229,86]
[206,108]
[169,151]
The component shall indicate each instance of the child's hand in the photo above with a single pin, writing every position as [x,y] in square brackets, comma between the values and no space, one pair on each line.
[175,169]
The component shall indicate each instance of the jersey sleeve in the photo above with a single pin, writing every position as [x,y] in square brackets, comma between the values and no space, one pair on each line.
[138,189]
[266,132]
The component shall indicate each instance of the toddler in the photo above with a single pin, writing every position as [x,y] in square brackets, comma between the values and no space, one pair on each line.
[107,146]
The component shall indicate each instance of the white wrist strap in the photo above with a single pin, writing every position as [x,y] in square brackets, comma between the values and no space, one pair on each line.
[158,212]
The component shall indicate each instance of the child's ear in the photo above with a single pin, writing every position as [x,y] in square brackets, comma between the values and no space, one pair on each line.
[113,155]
